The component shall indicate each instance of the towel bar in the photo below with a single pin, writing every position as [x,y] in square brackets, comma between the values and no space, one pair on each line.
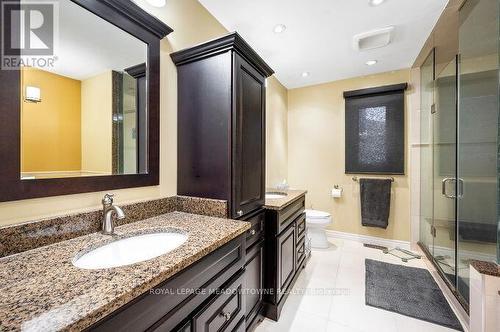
[355,179]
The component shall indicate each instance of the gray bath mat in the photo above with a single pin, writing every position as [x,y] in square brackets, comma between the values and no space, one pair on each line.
[408,291]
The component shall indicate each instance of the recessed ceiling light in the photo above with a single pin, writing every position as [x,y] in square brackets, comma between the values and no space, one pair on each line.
[305,74]
[376,2]
[371,62]
[279,28]
[157,3]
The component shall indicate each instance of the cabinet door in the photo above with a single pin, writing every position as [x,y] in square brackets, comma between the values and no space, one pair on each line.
[286,258]
[248,139]
[254,281]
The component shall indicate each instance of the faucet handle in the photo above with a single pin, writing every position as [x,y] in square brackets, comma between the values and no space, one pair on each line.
[108,199]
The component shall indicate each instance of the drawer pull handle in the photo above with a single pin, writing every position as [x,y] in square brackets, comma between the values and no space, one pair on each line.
[239,213]
[226,315]
[252,232]
[301,227]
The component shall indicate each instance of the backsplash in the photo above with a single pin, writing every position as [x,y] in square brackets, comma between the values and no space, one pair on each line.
[203,206]
[37,233]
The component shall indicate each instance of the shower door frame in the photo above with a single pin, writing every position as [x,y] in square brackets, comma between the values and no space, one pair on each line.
[429,252]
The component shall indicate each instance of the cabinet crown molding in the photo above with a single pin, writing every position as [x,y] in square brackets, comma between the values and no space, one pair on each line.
[139,16]
[232,41]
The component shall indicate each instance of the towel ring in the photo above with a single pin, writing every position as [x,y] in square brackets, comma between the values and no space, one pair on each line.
[356,179]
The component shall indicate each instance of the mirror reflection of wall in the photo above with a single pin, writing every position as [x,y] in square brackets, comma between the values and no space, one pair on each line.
[83,116]
[129,125]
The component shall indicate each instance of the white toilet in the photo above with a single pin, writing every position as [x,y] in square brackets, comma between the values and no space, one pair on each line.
[317,221]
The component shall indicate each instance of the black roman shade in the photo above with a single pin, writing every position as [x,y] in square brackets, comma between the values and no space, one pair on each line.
[374,130]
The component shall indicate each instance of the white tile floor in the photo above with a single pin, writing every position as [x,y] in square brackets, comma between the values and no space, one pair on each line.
[341,269]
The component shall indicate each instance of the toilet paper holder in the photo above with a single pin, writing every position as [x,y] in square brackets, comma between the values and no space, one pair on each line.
[336,192]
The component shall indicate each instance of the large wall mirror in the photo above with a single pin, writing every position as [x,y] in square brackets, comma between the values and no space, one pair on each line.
[83,116]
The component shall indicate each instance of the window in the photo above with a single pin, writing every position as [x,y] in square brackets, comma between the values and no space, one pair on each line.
[374,130]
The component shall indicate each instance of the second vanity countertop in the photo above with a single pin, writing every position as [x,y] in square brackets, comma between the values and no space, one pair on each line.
[280,203]
[41,290]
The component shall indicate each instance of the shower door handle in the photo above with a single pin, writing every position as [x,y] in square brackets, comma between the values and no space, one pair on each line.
[443,187]
[460,188]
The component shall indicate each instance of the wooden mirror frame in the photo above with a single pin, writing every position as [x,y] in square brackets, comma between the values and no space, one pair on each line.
[129,17]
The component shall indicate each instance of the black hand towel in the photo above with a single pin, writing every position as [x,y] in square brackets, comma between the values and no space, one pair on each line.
[375,202]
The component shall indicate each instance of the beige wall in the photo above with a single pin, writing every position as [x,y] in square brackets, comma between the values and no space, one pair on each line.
[192,24]
[316,155]
[97,123]
[276,133]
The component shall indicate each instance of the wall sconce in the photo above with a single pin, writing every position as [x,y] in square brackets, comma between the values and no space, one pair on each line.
[32,94]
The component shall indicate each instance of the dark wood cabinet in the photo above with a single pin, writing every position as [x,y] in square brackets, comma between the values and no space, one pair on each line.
[221,123]
[254,269]
[285,231]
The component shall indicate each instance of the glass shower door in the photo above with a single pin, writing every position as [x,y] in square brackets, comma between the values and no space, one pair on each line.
[478,135]
[438,138]
[426,169]
[444,145]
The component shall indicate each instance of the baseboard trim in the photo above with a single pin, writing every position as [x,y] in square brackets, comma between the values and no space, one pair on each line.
[369,239]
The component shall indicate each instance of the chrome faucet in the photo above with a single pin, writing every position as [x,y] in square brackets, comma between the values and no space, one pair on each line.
[107,219]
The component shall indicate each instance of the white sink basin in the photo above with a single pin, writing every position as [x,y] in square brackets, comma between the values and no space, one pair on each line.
[275,195]
[130,250]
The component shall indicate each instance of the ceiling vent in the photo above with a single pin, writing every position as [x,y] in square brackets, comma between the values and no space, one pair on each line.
[373,39]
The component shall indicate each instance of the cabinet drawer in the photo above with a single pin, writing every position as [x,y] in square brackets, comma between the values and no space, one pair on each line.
[256,231]
[301,249]
[301,226]
[224,311]
[289,213]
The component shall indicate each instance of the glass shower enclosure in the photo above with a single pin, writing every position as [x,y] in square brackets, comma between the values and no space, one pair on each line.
[459,119]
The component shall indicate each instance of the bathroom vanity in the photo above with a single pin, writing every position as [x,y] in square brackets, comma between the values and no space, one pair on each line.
[206,296]
[195,287]
[285,247]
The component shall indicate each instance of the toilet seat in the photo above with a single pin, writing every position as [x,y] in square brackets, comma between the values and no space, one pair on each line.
[315,214]
[315,217]
[316,222]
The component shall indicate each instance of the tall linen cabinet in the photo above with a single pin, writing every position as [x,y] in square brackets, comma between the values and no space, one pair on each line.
[221,123]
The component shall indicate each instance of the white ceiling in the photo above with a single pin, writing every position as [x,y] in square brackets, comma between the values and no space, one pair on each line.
[319,33]
[89,45]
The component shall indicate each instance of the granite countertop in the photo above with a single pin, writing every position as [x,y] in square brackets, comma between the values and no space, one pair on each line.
[280,203]
[41,290]
[488,268]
